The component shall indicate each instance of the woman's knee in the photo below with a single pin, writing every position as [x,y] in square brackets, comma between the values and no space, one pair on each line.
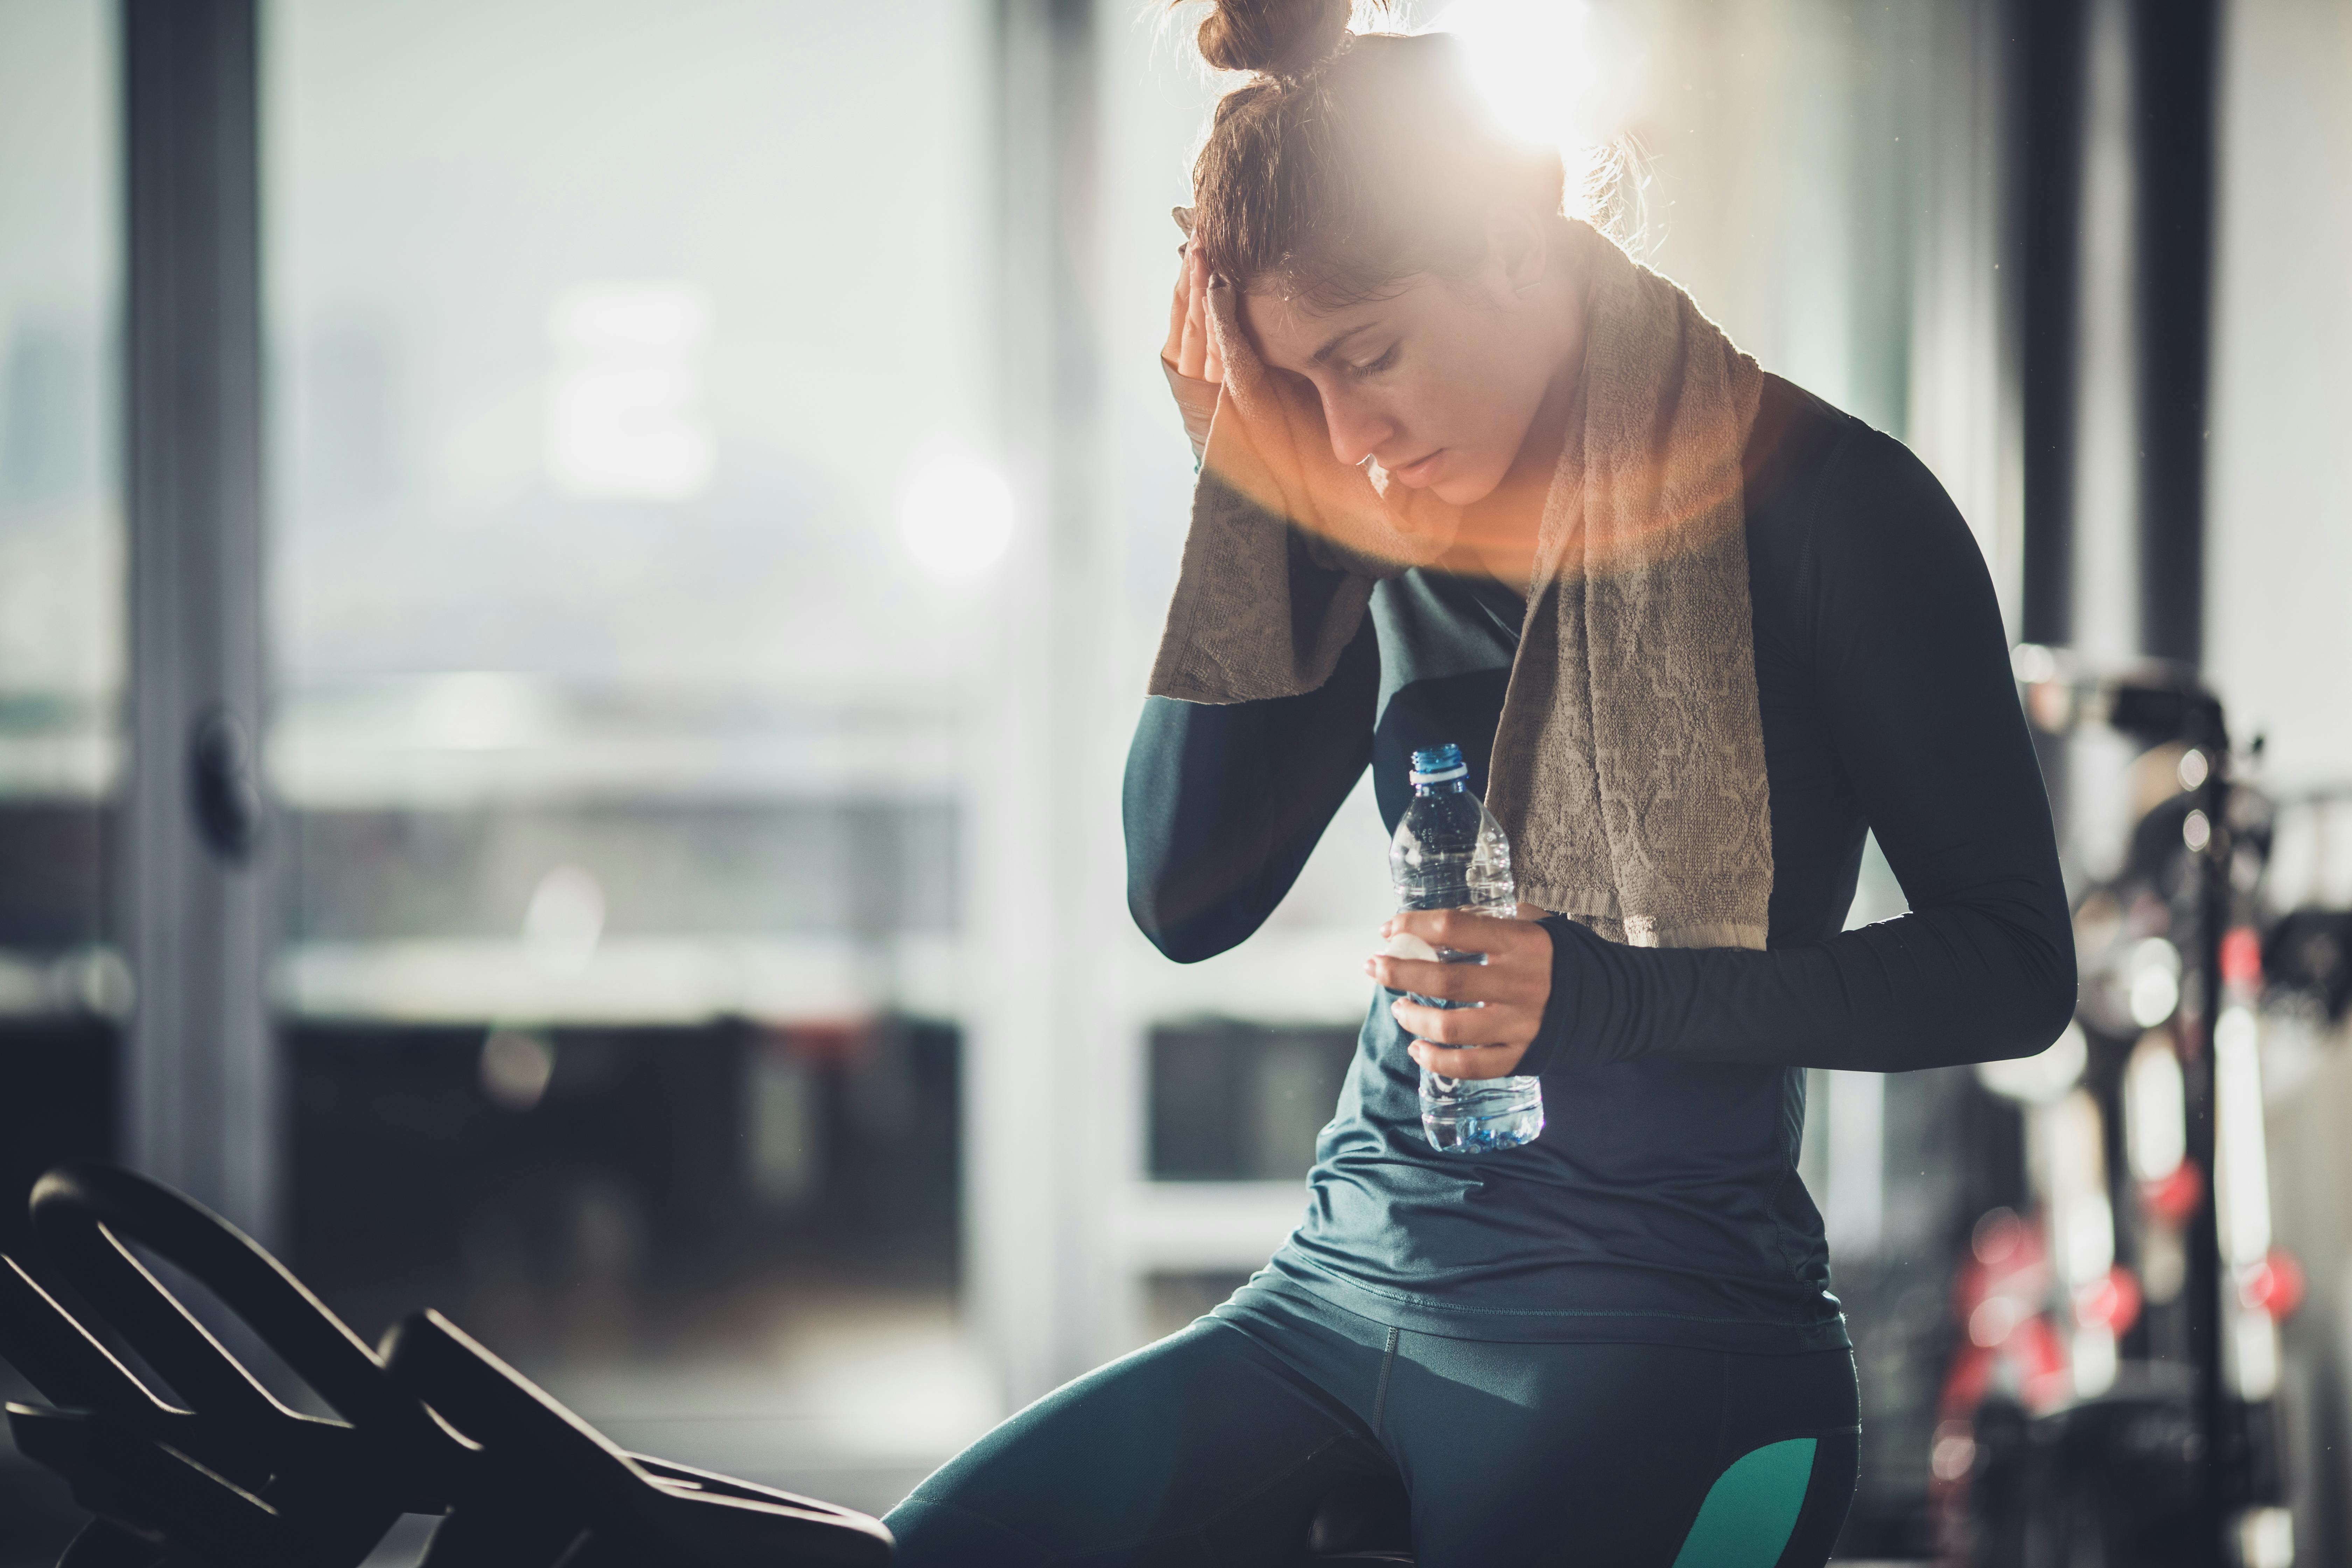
[1151,1445]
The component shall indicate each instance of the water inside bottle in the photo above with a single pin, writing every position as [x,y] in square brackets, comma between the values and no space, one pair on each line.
[1475,1116]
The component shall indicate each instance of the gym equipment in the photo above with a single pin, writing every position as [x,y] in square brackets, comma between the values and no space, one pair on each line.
[2112,1396]
[435,1424]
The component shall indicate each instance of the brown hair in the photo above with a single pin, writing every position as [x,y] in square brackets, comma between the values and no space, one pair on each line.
[1349,160]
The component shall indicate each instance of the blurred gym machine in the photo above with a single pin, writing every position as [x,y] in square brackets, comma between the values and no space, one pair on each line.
[2111,1398]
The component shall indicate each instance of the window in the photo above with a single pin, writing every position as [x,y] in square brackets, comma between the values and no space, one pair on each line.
[614,698]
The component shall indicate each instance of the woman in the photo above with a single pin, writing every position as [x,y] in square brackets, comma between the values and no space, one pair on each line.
[1470,475]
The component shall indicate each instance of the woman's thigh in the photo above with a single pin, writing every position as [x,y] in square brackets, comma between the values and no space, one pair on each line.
[1588,1454]
[1201,1450]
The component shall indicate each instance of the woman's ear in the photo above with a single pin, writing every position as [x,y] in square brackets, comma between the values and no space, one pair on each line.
[1518,247]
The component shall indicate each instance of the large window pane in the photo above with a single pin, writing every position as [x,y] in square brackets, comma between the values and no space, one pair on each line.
[615,707]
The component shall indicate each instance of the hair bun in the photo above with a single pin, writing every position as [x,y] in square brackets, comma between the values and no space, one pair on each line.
[1273,37]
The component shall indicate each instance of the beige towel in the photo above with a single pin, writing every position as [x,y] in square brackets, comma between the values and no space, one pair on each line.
[1629,763]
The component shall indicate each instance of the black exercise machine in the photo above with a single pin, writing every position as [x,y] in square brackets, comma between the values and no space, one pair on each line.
[434,1424]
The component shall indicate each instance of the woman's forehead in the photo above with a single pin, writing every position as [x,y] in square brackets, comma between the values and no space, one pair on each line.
[1294,332]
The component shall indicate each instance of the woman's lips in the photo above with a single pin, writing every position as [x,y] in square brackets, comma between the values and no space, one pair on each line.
[1419,470]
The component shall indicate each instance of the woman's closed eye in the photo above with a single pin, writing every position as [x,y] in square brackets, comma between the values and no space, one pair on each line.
[1386,361]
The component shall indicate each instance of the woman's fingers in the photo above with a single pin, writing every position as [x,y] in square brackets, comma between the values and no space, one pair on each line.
[1193,360]
[1212,361]
[1177,299]
[1514,981]
[1516,971]
[1186,354]
[1462,1026]
[1425,977]
[1465,931]
[1514,963]
[1191,347]
[1490,1061]
[1508,991]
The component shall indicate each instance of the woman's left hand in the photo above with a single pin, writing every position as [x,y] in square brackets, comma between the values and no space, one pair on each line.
[1514,983]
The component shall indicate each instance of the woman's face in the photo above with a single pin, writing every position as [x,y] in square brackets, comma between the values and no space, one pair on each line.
[1438,382]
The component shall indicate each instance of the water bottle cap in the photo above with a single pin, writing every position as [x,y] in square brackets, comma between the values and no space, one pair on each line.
[1439,764]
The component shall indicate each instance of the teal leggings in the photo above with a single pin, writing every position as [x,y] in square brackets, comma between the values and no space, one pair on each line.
[1215,1448]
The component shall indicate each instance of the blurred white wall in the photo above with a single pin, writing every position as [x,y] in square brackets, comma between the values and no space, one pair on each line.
[2279,626]
[2279,550]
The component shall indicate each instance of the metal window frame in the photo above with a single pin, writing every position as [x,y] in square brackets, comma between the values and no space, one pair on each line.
[200,1104]
[1044,1028]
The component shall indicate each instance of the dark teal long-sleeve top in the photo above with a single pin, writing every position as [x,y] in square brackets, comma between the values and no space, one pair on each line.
[1661,1202]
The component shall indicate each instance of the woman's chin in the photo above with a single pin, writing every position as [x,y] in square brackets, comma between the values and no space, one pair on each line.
[1462,489]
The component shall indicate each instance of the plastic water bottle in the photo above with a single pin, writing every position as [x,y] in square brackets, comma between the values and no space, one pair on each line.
[1449,854]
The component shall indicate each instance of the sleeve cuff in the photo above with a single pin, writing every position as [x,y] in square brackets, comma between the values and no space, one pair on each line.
[1559,1037]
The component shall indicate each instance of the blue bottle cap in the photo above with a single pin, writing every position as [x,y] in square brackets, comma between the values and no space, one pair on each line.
[1440,764]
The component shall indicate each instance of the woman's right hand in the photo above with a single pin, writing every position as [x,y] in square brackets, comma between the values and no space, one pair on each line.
[1190,356]
[1189,347]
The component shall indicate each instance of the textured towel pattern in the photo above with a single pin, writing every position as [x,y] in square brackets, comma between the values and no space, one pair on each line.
[1629,763]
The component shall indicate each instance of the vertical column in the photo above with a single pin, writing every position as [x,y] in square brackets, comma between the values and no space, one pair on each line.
[2176,47]
[2046,150]
[2175,53]
[1044,1114]
[200,1084]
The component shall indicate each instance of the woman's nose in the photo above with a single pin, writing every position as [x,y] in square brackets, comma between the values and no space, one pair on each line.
[1358,431]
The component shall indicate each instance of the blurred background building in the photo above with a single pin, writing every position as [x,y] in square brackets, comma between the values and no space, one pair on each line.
[710,510]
